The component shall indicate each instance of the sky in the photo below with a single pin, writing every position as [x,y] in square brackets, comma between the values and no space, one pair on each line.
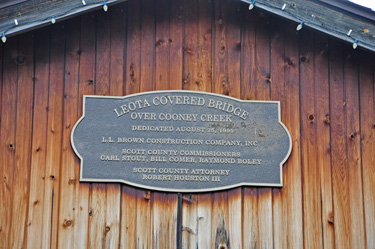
[366,3]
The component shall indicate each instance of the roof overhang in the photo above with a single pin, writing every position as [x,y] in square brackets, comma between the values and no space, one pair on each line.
[337,18]
[346,22]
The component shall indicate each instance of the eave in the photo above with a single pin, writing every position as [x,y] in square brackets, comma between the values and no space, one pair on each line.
[320,15]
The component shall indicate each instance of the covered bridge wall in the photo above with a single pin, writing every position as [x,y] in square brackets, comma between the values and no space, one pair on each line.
[327,99]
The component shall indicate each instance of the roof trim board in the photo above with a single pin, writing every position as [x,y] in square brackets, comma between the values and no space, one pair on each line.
[316,14]
[329,21]
[34,14]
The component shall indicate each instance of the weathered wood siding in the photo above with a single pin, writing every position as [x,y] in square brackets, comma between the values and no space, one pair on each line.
[327,95]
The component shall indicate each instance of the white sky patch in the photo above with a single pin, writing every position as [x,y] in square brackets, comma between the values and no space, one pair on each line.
[367,3]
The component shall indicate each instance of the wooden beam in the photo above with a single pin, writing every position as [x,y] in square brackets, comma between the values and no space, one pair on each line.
[319,17]
[38,13]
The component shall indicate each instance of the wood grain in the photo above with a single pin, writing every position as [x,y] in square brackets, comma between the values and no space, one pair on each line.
[367,114]
[292,190]
[312,227]
[98,201]
[21,169]
[321,75]
[69,182]
[277,81]
[39,141]
[54,137]
[351,82]
[338,142]
[8,136]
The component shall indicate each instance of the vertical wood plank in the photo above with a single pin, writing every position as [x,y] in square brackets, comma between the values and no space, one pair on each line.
[2,185]
[248,57]
[164,220]
[54,138]
[190,231]
[262,57]
[39,141]
[1,145]
[133,48]
[162,45]
[21,170]
[147,45]
[175,39]
[220,73]
[117,73]
[234,46]
[86,86]
[128,217]
[7,135]
[197,75]
[234,14]
[164,206]
[98,202]
[262,84]
[69,182]
[220,221]
[367,114]
[103,53]
[137,30]
[323,141]
[190,45]
[118,49]
[292,190]
[129,209]
[235,217]
[339,149]
[220,217]
[144,221]
[351,83]
[277,79]
[204,220]
[190,221]
[205,45]
[144,225]
[312,227]
[265,218]
[250,230]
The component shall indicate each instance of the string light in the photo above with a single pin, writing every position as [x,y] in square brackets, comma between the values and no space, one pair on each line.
[251,6]
[355,44]
[105,6]
[300,26]
[3,38]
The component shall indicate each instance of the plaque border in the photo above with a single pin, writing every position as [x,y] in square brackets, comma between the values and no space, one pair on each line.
[81,179]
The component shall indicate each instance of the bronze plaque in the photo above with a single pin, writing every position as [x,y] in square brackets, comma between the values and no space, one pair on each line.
[181,141]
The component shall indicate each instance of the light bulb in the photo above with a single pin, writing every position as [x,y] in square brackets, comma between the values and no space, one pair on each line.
[4,38]
[53,19]
[105,6]
[251,6]
[83,2]
[16,22]
[299,27]
[355,44]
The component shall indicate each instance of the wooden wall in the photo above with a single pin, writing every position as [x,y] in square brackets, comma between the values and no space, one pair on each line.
[327,96]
